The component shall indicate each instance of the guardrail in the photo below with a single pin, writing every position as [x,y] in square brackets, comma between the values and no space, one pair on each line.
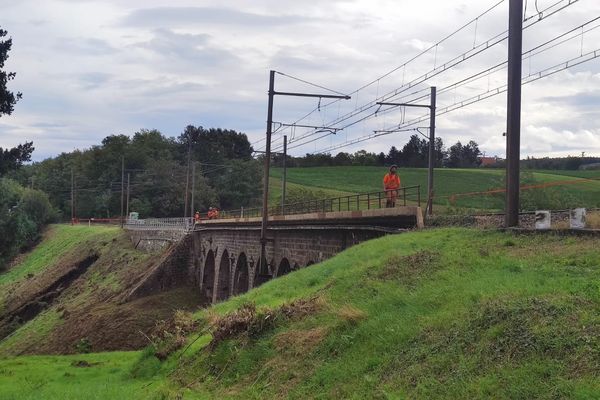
[179,224]
[409,195]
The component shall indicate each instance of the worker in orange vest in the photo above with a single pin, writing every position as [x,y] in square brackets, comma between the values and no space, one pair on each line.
[391,184]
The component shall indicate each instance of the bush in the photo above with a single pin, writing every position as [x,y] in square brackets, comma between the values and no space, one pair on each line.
[23,213]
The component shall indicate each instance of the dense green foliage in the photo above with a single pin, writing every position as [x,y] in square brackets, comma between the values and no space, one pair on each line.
[560,163]
[8,99]
[445,314]
[23,213]
[12,159]
[157,167]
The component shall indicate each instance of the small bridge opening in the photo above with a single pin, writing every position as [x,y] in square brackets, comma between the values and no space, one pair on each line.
[208,277]
[241,277]
[284,267]
[224,277]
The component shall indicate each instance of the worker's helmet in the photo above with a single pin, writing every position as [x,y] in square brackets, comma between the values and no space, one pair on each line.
[393,166]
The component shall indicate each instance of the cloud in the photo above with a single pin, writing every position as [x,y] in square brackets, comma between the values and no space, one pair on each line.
[185,50]
[182,16]
[85,46]
[91,68]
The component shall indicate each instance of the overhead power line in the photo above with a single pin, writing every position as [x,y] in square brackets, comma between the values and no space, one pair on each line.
[532,77]
[461,58]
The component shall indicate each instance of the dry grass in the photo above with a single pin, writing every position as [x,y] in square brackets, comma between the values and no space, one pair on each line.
[593,220]
[249,321]
[170,335]
[351,314]
[299,342]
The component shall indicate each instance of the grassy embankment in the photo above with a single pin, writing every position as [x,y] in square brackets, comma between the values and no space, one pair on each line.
[445,314]
[346,180]
[57,241]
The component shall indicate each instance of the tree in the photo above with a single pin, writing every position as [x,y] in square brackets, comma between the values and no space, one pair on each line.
[11,159]
[467,156]
[8,99]
[415,153]
[393,157]
[439,152]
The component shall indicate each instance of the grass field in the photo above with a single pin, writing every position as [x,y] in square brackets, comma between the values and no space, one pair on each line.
[77,377]
[444,314]
[449,182]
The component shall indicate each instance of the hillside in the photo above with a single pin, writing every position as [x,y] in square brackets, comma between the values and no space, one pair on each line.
[444,314]
[66,294]
[448,182]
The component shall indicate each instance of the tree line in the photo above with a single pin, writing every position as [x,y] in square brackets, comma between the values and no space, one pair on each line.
[222,173]
[414,154]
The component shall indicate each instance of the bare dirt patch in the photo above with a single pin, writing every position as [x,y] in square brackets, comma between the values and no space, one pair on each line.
[31,299]
[110,326]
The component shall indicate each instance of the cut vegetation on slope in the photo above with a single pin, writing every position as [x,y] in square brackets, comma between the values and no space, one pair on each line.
[67,295]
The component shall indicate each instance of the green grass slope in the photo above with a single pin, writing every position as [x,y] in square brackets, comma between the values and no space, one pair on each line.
[444,314]
[450,181]
[57,240]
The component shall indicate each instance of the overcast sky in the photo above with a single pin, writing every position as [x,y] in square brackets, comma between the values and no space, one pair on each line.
[88,69]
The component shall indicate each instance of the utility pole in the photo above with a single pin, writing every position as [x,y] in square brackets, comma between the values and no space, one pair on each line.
[187,174]
[513,114]
[265,205]
[284,176]
[72,197]
[122,186]
[432,106]
[127,207]
[193,189]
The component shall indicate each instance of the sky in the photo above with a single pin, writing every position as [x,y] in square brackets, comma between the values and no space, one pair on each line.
[89,69]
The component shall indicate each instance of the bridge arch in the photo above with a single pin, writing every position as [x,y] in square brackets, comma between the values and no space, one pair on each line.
[224,277]
[284,267]
[208,276]
[241,275]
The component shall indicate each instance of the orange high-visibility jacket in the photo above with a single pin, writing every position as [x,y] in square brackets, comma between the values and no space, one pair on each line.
[391,182]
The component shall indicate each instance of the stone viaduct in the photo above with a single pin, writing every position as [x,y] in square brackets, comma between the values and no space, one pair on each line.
[221,257]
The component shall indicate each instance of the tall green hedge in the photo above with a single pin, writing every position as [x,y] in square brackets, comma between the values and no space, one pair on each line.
[23,214]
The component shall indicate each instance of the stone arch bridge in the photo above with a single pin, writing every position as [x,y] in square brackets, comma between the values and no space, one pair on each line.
[221,257]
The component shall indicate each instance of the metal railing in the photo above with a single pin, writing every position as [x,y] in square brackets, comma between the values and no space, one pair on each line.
[182,224]
[409,195]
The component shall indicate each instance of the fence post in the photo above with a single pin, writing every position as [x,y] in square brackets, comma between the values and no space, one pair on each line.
[368,201]
[404,195]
